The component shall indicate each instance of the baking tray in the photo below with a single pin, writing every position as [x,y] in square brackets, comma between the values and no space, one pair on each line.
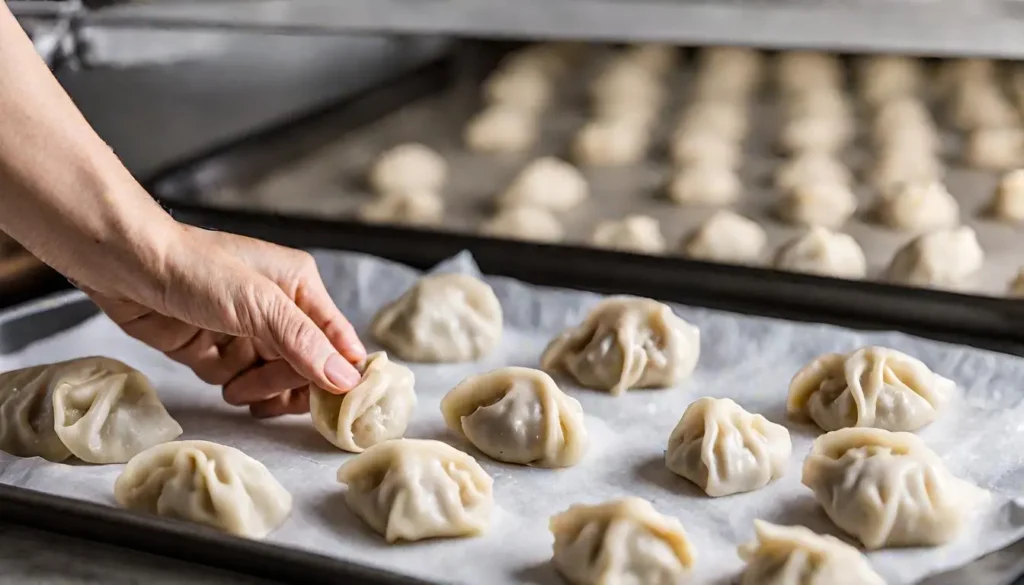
[220,189]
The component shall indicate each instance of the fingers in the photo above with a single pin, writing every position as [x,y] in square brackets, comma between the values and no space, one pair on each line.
[294,401]
[216,358]
[314,300]
[263,383]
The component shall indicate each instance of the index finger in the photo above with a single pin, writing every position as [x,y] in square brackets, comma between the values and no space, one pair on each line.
[314,300]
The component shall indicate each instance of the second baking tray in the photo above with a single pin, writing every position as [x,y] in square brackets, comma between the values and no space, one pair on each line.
[311,172]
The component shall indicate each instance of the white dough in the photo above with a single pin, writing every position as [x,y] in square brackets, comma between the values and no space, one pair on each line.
[726,237]
[621,542]
[548,183]
[525,88]
[1008,202]
[551,59]
[728,73]
[869,387]
[627,82]
[726,450]
[793,555]
[413,489]
[983,105]
[705,184]
[944,258]
[815,134]
[882,78]
[995,148]
[798,71]
[96,409]
[206,483]
[412,207]
[818,203]
[889,489]
[706,147]
[825,103]
[611,142]
[377,409]
[656,58]
[920,207]
[532,224]
[518,415]
[823,252]
[727,120]
[895,169]
[501,129]
[625,343]
[811,168]
[442,318]
[633,233]
[408,167]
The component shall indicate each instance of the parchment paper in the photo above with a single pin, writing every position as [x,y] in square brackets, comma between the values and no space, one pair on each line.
[749,359]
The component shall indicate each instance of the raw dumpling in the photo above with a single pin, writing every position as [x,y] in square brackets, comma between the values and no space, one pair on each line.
[620,542]
[982,105]
[824,204]
[625,343]
[944,258]
[726,119]
[442,318]
[705,184]
[410,489]
[611,142]
[378,408]
[548,183]
[811,168]
[97,409]
[624,81]
[726,450]
[728,73]
[417,208]
[808,70]
[657,58]
[633,233]
[207,483]
[409,167]
[883,78]
[895,169]
[823,252]
[1008,203]
[533,224]
[870,387]
[726,237]
[815,134]
[995,148]
[518,415]
[502,128]
[793,555]
[889,489]
[705,147]
[527,88]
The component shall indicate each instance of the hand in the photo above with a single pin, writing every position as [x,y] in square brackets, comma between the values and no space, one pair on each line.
[248,315]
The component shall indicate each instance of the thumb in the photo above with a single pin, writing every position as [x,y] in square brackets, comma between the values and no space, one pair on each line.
[298,340]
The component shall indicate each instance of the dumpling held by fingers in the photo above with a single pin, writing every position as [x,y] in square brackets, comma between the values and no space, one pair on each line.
[442,318]
[625,343]
[870,387]
[378,408]
[518,415]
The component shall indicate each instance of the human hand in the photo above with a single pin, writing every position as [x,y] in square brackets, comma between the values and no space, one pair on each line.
[242,313]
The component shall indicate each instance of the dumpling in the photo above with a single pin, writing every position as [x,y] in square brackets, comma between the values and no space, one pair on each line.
[97,409]
[417,208]
[815,134]
[620,542]
[442,318]
[705,184]
[944,258]
[811,168]
[706,148]
[870,387]
[207,483]
[633,233]
[726,237]
[411,489]
[409,167]
[528,88]
[728,73]
[793,555]
[806,70]
[625,343]
[657,58]
[611,142]
[549,183]
[726,450]
[625,81]
[726,119]
[889,489]
[378,408]
[501,128]
[982,105]
[921,207]
[823,252]
[882,78]
[822,203]
[997,149]
[518,415]
[895,169]
[1008,202]
[532,224]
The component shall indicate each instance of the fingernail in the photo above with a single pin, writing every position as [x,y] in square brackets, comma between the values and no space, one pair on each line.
[341,373]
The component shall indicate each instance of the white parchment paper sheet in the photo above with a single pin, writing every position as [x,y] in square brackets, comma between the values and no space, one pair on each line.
[748,359]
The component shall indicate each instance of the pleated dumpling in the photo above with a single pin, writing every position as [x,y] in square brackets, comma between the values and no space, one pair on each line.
[624,343]
[411,489]
[378,408]
[443,318]
[518,415]
[621,541]
[793,555]
[97,409]
[726,450]
[207,483]
[870,387]
[889,489]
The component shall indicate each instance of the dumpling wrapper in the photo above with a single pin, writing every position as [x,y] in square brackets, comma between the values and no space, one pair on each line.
[793,555]
[98,409]
[207,483]
[518,415]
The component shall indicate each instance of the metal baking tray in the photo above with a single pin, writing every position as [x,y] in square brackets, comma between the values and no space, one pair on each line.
[311,172]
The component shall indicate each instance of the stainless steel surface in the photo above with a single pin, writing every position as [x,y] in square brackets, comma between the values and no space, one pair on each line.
[990,27]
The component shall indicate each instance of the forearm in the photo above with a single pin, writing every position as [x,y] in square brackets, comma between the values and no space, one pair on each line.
[64,194]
